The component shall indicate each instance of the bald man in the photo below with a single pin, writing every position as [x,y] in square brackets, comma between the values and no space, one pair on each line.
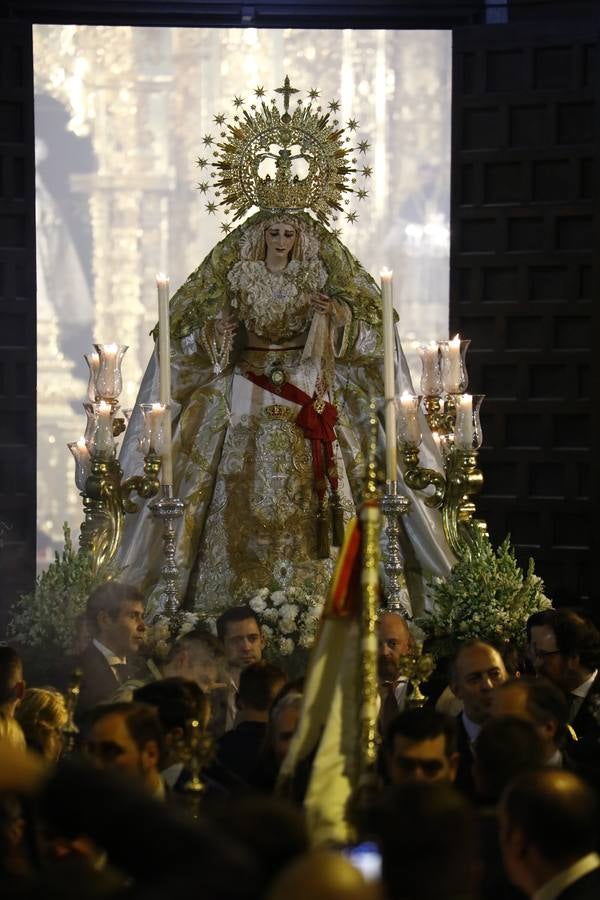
[393,642]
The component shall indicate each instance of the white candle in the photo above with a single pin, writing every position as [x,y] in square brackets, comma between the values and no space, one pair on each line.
[463,429]
[104,442]
[164,357]
[108,380]
[93,361]
[81,455]
[409,406]
[431,385]
[155,423]
[452,368]
[389,375]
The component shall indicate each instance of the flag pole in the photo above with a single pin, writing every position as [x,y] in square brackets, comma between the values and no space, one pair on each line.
[370,520]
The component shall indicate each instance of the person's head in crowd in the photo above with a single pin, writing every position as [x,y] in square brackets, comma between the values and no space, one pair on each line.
[240,633]
[535,622]
[115,614]
[177,702]
[566,648]
[427,832]
[271,828]
[321,875]
[283,720]
[127,737]
[421,746]
[259,685]
[505,747]
[42,714]
[11,732]
[12,683]
[513,659]
[477,670]
[197,656]
[548,822]
[393,642]
[539,701]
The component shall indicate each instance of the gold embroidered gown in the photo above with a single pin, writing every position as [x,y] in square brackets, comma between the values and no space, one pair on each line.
[241,463]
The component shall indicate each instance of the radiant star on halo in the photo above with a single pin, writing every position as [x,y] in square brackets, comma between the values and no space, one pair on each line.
[352,124]
[203,186]
[225,227]
[351,217]
[313,94]
[367,171]
[211,207]
[334,105]
[201,162]
[259,91]
[363,146]
[207,140]
[238,101]
[361,193]
[219,119]
[336,231]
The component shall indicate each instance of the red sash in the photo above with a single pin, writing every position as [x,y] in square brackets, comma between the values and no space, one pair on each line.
[317,419]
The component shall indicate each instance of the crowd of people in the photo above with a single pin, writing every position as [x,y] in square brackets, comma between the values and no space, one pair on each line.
[488,790]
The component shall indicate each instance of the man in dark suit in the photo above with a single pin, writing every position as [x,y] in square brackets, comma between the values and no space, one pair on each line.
[548,825]
[477,670]
[539,701]
[115,614]
[566,649]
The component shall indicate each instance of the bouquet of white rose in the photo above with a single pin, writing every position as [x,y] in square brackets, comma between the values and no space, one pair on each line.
[289,618]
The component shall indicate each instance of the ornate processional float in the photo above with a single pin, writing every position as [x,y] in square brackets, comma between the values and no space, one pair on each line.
[283,163]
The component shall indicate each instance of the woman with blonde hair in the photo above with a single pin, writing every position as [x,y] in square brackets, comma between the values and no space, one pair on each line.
[42,714]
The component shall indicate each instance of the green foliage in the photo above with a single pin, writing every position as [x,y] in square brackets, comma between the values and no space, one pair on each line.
[47,617]
[487,597]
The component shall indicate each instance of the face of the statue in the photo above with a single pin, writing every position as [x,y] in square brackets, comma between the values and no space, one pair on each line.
[280,238]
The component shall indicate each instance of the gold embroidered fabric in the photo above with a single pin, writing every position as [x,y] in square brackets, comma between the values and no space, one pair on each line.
[275,305]
[241,464]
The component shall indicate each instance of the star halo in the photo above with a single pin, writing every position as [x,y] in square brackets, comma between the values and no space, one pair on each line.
[309,155]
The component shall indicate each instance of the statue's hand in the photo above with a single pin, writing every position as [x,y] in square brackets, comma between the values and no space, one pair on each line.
[226,327]
[326,306]
[323,304]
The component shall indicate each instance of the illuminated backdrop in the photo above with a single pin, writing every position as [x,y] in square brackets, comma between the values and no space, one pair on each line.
[120,113]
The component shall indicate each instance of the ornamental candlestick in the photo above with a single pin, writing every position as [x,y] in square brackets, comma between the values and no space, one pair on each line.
[164,355]
[463,433]
[389,377]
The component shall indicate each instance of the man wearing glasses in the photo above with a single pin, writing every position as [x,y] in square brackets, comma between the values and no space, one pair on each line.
[566,649]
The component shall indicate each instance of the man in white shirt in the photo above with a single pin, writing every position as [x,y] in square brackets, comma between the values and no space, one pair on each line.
[477,670]
[115,614]
[240,633]
[548,822]
[566,649]
[393,642]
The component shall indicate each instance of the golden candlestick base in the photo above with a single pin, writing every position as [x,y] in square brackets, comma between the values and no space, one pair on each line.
[106,499]
[453,491]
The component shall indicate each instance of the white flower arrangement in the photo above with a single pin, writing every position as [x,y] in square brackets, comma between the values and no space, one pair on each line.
[162,632]
[289,617]
[47,619]
[486,597]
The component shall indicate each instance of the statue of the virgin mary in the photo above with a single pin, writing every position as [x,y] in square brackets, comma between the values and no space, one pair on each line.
[276,352]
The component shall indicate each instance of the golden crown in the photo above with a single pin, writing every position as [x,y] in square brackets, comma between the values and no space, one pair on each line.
[284,161]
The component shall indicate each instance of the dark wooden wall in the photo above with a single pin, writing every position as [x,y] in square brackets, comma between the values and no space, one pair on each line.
[525,286]
[17,316]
